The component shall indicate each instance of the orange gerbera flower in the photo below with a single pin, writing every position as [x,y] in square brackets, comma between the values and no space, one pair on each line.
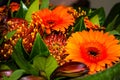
[57,19]
[96,49]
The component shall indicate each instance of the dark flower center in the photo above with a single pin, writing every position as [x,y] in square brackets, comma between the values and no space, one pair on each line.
[93,51]
[50,22]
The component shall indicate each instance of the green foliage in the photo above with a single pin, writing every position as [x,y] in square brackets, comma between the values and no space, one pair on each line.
[1,41]
[39,48]
[22,11]
[8,3]
[111,25]
[15,75]
[44,4]
[95,20]
[113,12]
[79,25]
[114,32]
[18,56]
[33,7]
[100,13]
[10,34]
[45,64]
[4,67]
[118,28]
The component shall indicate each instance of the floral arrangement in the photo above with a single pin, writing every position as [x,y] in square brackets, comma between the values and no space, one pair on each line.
[39,41]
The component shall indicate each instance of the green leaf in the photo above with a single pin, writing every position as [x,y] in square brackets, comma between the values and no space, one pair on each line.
[10,34]
[95,20]
[114,32]
[4,67]
[46,64]
[44,4]
[108,74]
[118,28]
[16,74]
[8,65]
[110,26]
[39,47]
[79,25]
[115,10]
[101,15]
[5,78]
[1,41]
[31,1]
[18,56]
[8,3]
[34,7]
[22,11]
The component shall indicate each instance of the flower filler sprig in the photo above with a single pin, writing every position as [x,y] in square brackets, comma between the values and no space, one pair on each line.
[39,41]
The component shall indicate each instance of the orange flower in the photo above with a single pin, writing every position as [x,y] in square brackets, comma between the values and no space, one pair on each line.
[20,25]
[89,24]
[14,6]
[57,19]
[56,44]
[96,49]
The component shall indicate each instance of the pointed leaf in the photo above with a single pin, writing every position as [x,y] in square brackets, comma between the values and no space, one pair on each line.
[50,66]
[22,11]
[95,20]
[118,28]
[115,10]
[8,3]
[46,64]
[4,67]
[110,26]
[34,7]
[10,34]
[114,32]
[18,57]
[16,74]
[1,41]
[101,15]
[44,4]
[39,47]
[79,25]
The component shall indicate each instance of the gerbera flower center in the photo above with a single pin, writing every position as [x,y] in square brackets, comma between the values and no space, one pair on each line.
[93,52]
[50,22]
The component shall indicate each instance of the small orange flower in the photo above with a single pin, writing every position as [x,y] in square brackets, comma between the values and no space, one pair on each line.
[56,44]
[20,25]
[96,49]
[14,6]
[57,19]
[89,24]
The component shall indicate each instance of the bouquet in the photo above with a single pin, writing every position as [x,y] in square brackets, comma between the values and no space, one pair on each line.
[39,41]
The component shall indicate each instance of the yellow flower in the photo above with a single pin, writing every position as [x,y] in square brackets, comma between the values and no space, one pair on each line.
[96,49]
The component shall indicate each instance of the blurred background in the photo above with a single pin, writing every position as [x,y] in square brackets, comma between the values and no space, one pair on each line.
[107,4]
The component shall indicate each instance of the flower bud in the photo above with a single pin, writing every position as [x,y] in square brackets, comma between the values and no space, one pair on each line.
[70,69]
